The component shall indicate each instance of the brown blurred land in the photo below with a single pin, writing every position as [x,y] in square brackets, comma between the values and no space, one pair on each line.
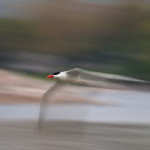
[17,88]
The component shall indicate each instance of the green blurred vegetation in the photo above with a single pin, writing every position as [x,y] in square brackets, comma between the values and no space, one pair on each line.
[117,35]
[16,34]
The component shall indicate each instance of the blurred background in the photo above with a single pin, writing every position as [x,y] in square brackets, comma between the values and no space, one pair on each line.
[39,37]
[44,36]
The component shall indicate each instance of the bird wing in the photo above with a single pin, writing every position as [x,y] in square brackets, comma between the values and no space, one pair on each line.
[106,80]
[45,99]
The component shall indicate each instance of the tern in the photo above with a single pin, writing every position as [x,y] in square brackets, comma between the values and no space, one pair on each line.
[87,78]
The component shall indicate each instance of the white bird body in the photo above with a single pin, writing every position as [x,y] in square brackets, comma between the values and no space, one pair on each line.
[61,76]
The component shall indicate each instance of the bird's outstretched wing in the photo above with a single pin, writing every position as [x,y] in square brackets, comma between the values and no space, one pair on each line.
[45,99]
[106,80]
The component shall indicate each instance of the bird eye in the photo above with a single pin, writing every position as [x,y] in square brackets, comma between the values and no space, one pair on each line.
[55,73]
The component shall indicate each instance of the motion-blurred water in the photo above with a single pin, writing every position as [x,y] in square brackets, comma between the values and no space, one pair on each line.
[122,126]
[128,107]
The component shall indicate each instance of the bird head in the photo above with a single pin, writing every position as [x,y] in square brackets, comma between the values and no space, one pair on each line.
[54,75]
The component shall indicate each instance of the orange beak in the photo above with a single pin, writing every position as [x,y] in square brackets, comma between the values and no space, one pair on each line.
[50,76]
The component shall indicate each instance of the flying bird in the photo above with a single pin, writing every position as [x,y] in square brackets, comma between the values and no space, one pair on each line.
[87,78]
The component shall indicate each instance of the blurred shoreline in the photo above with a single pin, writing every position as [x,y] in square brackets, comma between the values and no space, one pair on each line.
[22,89]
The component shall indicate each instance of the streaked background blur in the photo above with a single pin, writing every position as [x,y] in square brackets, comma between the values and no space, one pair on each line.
[39,37]
[43,36]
